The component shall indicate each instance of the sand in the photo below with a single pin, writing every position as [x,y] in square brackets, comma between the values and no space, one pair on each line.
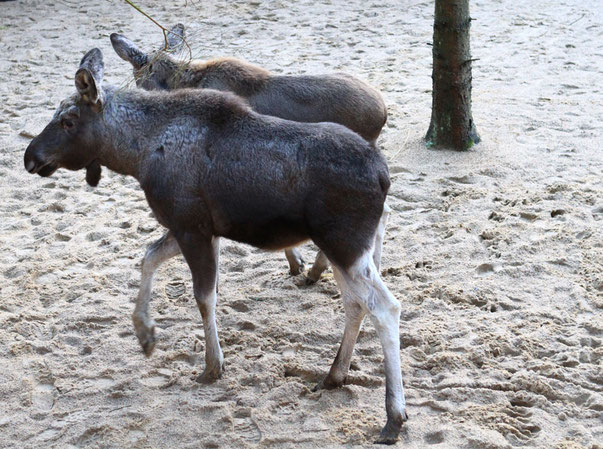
[496,254]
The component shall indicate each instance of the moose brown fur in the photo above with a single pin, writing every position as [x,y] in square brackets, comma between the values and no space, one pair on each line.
[212,168]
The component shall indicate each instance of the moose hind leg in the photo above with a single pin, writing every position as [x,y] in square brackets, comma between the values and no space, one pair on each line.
[160,251]
[386,319]
[201,254]
[362,282]
[354,315]
[320,265]
[296,262]
[380,234]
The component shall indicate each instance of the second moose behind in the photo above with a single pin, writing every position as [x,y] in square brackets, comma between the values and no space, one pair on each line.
[337,98]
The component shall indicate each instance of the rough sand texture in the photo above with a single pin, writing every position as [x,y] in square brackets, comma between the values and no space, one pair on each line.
[496,254]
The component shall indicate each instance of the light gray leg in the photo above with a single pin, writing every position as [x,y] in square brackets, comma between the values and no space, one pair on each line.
[296,262]
[320,265]
[362,283]
[380,234]
[216,245]
[386,319]
[160,251]
[341,365]
[201,254]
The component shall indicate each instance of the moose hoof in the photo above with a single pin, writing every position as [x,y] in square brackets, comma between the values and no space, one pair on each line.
[327,384]
[209,375]
[296,267]
[311,280]
[314,274]
[390,433]
[294,271]
[387,438]
[147,340]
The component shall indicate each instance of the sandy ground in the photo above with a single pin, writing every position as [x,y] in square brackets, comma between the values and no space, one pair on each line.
[496,254]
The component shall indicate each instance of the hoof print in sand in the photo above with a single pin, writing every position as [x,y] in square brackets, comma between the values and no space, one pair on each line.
[175,290]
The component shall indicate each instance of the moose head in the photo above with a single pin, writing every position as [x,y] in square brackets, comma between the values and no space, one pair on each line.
[152,71]
[70,140]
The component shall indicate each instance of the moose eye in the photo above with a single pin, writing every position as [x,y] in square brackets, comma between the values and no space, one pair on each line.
[68,124]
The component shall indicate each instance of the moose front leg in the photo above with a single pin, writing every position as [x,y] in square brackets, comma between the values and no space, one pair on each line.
[163,249]
[201,254]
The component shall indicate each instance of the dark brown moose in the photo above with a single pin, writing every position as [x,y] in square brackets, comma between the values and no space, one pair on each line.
[211,167]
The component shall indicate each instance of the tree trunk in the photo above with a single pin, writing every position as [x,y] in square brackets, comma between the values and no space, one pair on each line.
[451,120]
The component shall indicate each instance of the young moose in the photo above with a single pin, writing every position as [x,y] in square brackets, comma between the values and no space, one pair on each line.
[337,98]
[211,167]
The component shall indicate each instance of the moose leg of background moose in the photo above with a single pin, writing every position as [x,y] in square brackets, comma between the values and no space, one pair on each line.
[296,263]
[321,263]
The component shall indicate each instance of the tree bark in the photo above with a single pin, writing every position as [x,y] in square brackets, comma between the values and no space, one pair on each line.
[451,120]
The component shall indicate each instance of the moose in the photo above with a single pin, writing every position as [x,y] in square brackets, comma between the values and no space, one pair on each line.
[213,168]
[338,98]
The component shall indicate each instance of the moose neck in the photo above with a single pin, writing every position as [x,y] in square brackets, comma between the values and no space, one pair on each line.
[128,120]
[135,123]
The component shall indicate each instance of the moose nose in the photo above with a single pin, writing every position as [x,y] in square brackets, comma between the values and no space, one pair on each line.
[30,165]
[31,160]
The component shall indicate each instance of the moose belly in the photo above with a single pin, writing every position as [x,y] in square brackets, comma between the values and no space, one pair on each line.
[270,235]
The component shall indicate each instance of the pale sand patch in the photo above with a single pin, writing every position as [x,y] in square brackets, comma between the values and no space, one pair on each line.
[496,254]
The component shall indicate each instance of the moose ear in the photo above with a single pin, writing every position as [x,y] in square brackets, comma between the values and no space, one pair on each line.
[175,38]
[89,76]
[128,51]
